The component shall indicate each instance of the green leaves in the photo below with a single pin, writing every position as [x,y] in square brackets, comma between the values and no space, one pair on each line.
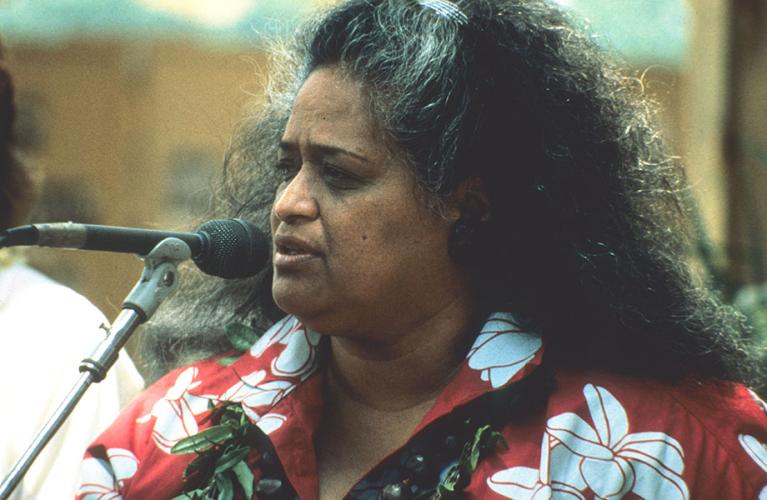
[221,467]
[204,439]
[245,477]
[227,360]
[241,337]
[231,458]
[225,487]
[485,440]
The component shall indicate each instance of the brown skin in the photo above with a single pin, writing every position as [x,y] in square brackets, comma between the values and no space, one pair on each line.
[361,258]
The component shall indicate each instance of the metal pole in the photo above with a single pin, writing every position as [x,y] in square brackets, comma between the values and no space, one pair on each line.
[158,280]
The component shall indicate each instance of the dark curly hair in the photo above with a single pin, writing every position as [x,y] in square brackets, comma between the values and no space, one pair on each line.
[16,186]
[588,237]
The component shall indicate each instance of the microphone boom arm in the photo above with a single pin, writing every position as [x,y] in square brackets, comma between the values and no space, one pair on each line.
[158,280]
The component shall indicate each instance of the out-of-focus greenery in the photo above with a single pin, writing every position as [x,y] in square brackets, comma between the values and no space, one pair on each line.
[55,21]
[752,301]
[644,31]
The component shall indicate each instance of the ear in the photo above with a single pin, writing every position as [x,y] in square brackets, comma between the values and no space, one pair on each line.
[470,201]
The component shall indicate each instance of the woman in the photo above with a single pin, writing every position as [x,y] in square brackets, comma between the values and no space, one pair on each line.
[478,245]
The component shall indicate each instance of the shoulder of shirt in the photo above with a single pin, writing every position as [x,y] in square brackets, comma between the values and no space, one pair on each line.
[210,376]
[717,412]
[211,372]
[27,287]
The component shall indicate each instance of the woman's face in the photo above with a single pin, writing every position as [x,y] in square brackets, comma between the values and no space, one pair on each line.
[356,251]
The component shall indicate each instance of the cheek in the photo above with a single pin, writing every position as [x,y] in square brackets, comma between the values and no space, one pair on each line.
[272,217]
[389,239]
[274,223]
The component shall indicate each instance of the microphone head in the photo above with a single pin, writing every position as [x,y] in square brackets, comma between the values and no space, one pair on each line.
[234,248]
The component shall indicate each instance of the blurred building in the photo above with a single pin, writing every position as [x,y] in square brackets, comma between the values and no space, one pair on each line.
[125,134]
[126,109]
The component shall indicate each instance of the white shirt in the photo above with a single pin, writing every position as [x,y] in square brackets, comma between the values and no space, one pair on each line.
[45,330]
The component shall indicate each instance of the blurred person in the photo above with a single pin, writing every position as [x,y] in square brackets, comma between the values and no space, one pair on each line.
[479,287]
[45,330]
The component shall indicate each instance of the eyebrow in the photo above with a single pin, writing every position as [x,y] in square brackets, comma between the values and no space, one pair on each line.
[324,149]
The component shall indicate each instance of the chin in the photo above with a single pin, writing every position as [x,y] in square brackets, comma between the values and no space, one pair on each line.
[317,308]
[296,301]
[311,312]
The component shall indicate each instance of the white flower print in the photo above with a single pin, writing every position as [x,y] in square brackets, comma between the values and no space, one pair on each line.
[758,453]
[605,459]
[502,349]
[299,358]
[758,400]
[527,483]
[279,332]
[614,462]
[254,394]
[242,389]
[102,480]
[523,483]
[271,422]
[756,450]
[175,412]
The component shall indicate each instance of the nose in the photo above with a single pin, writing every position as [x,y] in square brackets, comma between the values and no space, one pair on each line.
[295,200]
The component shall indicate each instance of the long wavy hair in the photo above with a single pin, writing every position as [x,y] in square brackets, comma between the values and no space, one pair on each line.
[16,184]
[588,240]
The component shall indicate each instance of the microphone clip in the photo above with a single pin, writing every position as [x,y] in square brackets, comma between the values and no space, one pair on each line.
[159,277]
[158,280]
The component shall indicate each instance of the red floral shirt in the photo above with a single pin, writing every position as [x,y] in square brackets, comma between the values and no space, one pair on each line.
[597,435]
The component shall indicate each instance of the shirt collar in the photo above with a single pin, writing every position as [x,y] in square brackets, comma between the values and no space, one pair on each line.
[275,385]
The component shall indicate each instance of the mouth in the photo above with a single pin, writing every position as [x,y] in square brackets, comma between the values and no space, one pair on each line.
[290,251]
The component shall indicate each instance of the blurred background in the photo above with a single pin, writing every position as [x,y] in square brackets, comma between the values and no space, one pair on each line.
[126,108]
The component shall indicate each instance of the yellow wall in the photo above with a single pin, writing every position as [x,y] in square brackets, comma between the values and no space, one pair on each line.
[113,115]
[703,99]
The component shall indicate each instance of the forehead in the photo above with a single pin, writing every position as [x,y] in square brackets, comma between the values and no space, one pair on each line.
[329,98]
[329,86]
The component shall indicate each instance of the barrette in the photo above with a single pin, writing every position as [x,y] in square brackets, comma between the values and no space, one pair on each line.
[446,8]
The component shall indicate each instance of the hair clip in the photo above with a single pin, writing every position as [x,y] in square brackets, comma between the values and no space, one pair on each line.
[446,8]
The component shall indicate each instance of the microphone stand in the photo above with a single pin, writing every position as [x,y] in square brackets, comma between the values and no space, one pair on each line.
[158,280]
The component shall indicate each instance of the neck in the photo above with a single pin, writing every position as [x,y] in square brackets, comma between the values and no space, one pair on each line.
[406,371]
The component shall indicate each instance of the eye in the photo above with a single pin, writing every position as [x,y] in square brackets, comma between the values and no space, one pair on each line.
[338,177]
[286,169]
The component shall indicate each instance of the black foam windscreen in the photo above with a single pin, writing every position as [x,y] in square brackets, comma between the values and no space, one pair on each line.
[234,248]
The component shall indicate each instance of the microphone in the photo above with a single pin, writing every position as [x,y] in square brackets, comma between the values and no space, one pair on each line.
[227,248]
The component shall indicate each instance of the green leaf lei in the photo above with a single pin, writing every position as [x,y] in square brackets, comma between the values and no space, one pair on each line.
[224,451]
[459,475]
